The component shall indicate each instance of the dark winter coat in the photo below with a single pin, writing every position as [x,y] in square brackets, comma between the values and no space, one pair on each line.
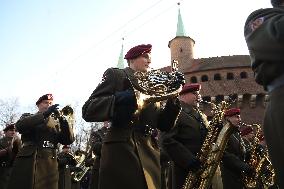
[129,157]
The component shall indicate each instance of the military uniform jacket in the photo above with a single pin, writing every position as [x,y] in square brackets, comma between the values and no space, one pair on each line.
[129,158]
[97,142]
[233,162]
[36,164]
[184,141]
[264,34]
[65,163]
[7,157]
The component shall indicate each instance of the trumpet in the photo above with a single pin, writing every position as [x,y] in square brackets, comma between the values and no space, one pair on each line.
[66,113]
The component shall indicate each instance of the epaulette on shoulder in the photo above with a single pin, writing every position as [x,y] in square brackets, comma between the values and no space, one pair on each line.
[25,115]
[117,70]
[262,12]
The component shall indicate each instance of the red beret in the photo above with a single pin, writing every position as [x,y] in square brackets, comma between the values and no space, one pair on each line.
[138,50]
[246,131]
[44,97]
[9,127]
[187,88]
[232,112]
[65,146]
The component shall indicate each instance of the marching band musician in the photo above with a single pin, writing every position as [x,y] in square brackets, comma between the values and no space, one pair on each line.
[185,140]
[248,135]
[9,147]
[233,164]
[76,184]
[66,162]
[97,142]
[36,164]
[129,158]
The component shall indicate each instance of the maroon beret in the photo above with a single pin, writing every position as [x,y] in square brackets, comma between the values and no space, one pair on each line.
[188,88]
[138,50]
[9,127]
[246,131]
[232,112]
[44,97]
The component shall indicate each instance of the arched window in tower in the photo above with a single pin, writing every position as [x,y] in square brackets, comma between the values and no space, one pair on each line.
[230,76]
[217,76]
[180,50]
[193,79]
[204,78]
[243,75]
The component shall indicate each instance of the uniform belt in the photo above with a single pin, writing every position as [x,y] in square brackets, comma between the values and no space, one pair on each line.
[44,144]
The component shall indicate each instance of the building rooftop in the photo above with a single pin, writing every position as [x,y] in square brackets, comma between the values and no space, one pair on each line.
[213,63]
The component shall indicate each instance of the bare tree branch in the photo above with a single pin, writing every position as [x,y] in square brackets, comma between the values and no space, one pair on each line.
[9,111]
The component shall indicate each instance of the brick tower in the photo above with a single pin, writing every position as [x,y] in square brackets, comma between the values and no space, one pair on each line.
[222,78]
[181,46]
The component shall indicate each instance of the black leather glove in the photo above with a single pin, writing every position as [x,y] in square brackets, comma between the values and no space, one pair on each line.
[194,164]
[126,98]
[50,110]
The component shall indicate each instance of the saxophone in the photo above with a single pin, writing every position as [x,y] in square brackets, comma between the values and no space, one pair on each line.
[211,150]
[268,178]
[66,113]
[84,157]
[259,161]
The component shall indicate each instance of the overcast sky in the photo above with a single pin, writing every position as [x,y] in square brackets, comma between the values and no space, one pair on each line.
[64,46]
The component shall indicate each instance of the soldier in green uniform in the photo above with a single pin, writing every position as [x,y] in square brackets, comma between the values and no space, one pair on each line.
[9,147]
[264,34]
[97,141]
[184,141]
[36,166]
[233,165]
[129,156]
[66,161]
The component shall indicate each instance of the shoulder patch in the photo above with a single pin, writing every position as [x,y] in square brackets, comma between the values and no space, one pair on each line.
[256,23]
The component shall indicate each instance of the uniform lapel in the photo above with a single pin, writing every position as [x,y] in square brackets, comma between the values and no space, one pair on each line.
[130,75]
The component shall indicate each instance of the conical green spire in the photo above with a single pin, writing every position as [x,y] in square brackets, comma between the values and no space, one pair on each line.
[180,27]
[120,63]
